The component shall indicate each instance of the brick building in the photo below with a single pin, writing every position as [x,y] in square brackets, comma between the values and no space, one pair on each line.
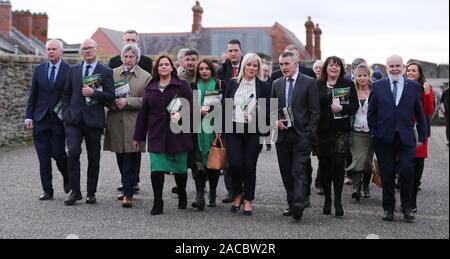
[22,32]
[269,41]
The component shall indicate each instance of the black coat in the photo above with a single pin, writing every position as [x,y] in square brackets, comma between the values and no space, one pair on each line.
[327,120]
[74,105]
[225,72]
[305,104]
[145,63]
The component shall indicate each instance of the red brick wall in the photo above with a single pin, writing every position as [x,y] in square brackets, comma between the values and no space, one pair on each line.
[22,21]
[5,18]
[105,46]
[279,42]
[40,26]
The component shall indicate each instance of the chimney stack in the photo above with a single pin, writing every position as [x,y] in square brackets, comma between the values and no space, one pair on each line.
[309,36]
[5,17]
[317,45]
[40,26]
[198,12]
[23,21]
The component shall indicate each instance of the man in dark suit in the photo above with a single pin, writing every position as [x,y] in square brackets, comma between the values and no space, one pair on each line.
[299,94]
[146,63]
[393,103]
[84,117]
[302,69]
[46,91]
[132,37]
[228,70]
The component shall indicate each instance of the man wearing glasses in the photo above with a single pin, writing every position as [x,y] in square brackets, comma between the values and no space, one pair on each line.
[84,117]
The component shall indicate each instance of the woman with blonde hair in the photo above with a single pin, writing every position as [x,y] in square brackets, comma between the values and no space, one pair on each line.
[243,143]
[362,150]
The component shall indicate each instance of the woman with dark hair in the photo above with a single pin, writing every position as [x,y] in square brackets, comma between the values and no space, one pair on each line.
[338,103]
[414,72]
[160,113]
[361,146]
[210,96]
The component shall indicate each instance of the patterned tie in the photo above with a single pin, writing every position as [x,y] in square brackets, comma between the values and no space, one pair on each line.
[291,91]
[394,92]
[86,72]
[52,76]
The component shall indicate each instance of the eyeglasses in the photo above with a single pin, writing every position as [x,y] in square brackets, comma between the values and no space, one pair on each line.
[85,49]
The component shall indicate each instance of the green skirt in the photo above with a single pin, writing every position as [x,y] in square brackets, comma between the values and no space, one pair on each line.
[176,164]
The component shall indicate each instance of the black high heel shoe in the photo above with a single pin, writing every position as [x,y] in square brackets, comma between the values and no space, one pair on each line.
[235,209]
[248,212]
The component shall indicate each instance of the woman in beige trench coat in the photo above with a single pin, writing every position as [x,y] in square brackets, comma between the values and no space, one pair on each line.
[130,81]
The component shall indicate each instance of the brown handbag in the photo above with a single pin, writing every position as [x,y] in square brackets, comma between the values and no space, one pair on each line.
[376,178]
[217,158]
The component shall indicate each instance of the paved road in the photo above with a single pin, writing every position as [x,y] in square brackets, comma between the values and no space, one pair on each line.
[23,216]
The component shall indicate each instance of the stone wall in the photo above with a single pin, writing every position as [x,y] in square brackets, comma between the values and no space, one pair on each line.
[16,73]
[15,79]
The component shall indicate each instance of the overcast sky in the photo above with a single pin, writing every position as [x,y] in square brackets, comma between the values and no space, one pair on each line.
[351,28]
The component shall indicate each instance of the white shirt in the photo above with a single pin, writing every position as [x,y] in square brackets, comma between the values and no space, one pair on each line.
[400,87]
[361,124]
[244,92]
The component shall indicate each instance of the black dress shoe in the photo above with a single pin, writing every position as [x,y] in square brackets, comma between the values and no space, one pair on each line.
[46,197]
[388,216]
[120,188]
[90,199]
[297,212]
[408,216]
[73,198]
[287,213]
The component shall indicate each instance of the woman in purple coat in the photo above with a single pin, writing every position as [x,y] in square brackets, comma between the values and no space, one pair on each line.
[158,120]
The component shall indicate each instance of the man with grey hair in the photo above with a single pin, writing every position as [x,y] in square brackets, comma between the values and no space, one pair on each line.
[132,37]
[83,109]
[180,60]
[393,103]
[121,120]
[302,69]
[146,63]
[297,119]
[46,91]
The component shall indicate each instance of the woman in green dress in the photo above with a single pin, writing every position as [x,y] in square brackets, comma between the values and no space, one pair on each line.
[157,120]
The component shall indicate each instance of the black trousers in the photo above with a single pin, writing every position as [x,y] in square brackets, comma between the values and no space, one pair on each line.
[128,164]
[332,172]
[243,153]
[295,166]
[49,140]
[395,157]
[92,137]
